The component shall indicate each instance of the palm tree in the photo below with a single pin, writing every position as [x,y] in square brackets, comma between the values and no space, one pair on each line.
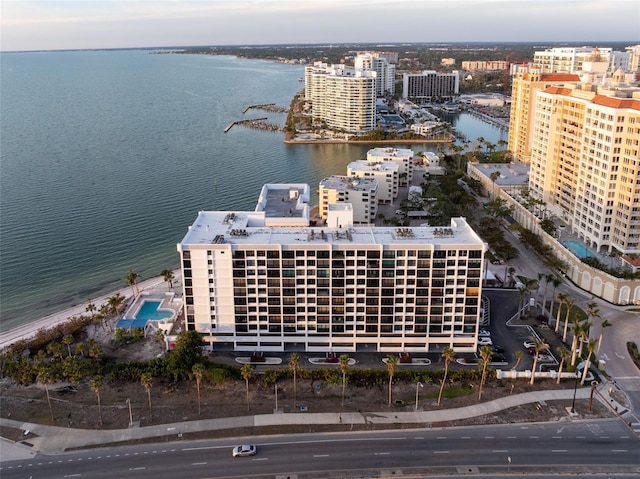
[132,280]
[562,299]
[344,362]
[147,381]
[115,303]
[539,346]
[93,349]
[570,303]
[96,383]
[548,278]
[494,177]
[247,371]
[168,276]
[578,331]
[604,324]
[67,340]
[519,355]
[485,354]
[91,307]
[198,371]
[449,355]
[45,378]
[294,364]
[564,355]
[591,346]
[555,281]
[392,362]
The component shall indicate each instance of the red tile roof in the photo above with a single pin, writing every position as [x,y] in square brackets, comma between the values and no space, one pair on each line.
[631,103]
[560,77]
[632,261]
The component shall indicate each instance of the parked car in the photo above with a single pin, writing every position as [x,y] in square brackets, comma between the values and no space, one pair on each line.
[497,349]
[484,341]
[244,450]
[498,358]
[484,332]
[529,344]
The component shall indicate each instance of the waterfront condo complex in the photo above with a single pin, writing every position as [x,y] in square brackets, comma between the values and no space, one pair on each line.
[269,280]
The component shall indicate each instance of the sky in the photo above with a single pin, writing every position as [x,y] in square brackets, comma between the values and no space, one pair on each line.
[87,24]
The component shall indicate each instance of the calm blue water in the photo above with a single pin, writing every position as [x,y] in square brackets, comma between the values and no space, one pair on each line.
[149,311]
[106,158]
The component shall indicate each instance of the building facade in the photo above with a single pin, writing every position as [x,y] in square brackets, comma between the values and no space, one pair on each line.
[385,71]
[402,156]
[386,173]
[430,85]
[585,162]
[254,281]
[527,81]
[570,60]
[341,99]
[362,193]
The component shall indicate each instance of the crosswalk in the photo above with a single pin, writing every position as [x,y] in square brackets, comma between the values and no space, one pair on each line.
[635,426]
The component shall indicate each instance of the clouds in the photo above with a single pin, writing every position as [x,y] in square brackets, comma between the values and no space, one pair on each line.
[52,24]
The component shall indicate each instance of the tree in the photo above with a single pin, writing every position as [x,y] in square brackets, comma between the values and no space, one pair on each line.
[45,378]
[246,371]
[91,308]
[294,364]
[555,281]
[570,303]
[485,354]
[168,276]
[519,355]
[146,379]
[198,371]
[114,303]
[132,280]
[392,362]
[603,325]
[548,278]
[562,299]
[564,355]
[67,340]
[344,363]
[539,345]
[56,349]
[494,177]
[591,346]
[187,352]
[96,383]
[578,329]
[449,355]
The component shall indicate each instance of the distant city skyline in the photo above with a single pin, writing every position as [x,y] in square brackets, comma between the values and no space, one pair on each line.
[87,24]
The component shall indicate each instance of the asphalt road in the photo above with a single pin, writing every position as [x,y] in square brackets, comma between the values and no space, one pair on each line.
[589,446]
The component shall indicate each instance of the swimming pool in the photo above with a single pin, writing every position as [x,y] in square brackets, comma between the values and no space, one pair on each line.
[579,249]
[149,311]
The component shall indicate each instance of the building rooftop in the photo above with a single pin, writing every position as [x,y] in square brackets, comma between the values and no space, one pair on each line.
[247,228]
[361,165]
[511,174]
[338,182]
[391,152]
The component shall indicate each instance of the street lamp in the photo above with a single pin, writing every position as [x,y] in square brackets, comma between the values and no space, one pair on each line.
[418,384]
[593,388]
[130,415]
[276,389]
[575,388]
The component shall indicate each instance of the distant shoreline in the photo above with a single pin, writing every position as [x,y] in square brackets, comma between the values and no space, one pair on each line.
[362,142]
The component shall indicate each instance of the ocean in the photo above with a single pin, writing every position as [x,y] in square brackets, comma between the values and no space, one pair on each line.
[107,156]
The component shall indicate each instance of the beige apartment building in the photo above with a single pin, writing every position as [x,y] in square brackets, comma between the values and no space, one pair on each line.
[585,162]
[527,81]
[386,173]
[402,156]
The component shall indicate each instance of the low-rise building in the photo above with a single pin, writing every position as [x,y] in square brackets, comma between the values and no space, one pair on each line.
[402,156]
[361,193]
[386,173]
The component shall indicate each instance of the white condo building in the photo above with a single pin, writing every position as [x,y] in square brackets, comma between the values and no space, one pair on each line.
[386,173]
[570,59]
[385,71]
[343,99]
[430,85]
[266,280]
[361,193]
[402,156]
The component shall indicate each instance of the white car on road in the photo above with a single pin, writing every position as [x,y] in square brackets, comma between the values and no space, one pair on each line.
[484,341]
[244,450]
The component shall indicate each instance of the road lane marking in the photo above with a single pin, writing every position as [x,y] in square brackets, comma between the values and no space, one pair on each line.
[489,437]
[440,437]
[500,450]
[465,437]
[321,455]
[580,437]
[419,438]
[261,459]
[198,463]
[512,437]
[618,450]
[72,475]
[534,437]
[559,450]
[556,437]
[441,452]
[382,453]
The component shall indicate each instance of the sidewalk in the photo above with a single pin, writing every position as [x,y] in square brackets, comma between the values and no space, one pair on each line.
[57,440]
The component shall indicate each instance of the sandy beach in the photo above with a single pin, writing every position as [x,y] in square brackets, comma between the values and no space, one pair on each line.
[29,329]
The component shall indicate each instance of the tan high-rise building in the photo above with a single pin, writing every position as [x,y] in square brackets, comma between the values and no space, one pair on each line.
[585,162]
[527,81]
